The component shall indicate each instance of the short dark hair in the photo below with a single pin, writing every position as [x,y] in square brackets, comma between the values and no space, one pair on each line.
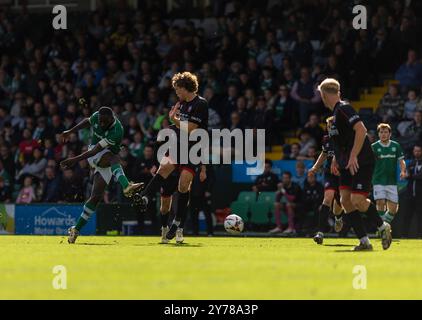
[287,173]
[186,80]
[105,111]
[268,161]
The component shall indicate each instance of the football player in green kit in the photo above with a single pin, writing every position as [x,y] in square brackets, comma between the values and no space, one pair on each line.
[103,157]
[384,179]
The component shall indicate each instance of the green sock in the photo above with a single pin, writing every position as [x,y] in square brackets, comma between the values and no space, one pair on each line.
[388,217]
[117,171]
[89,209]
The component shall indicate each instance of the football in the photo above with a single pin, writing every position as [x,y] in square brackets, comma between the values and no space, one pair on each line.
[233,224]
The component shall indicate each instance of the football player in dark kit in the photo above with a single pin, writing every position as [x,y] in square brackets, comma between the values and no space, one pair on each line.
[192,109]
[331,192]
[354,162]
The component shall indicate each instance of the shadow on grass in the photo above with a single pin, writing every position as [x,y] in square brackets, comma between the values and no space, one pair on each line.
[352,251]
[95,244]
[154,244]
[338,245]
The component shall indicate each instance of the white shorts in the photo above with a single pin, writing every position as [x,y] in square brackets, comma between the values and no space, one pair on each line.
[386,192]
[105,173]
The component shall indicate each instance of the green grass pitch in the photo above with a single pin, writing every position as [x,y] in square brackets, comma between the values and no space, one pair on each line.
[206,268]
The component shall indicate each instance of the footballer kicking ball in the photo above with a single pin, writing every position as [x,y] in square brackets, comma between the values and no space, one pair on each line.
[233,224]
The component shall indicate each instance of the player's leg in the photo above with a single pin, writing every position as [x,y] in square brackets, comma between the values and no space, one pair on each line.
[291,209]
[277,213]
[155,184]
[324,212]
[168,188]
[90,206]
[338,212]
[185,181]
[112,160]
[350,210]
[380,197]
[165,206]
[392,204]
[359,198]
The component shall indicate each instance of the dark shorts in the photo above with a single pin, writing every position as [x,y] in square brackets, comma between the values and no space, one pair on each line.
[331,182]
[192,168]
[360,183]
[169,185]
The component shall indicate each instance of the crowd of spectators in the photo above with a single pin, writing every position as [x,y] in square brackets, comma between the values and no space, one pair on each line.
[256,68]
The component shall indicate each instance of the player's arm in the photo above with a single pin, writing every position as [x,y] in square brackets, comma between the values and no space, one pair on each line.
[322,157]
[403,171]
[402,163]
[360,134]
[85,123]
[195,119]
[189,128]
[87,154]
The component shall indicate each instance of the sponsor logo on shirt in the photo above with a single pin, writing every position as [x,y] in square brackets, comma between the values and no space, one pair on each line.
[387,156]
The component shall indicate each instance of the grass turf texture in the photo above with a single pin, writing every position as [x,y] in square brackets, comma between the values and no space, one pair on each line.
[206,268]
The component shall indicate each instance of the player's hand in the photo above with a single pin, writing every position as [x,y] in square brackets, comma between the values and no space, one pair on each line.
[203,175]
[334,168]
[68,163]
[403,175]
[174,111]
[312,171]
[64,137]
[353,165]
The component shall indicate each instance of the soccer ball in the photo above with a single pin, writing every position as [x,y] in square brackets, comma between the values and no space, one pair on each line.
[233,224]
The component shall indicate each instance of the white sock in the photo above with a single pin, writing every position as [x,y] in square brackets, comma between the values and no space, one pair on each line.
[384,224]
[365,240]
[177,223]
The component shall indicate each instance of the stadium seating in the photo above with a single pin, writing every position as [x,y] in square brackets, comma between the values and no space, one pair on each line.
[241,209]
[247,197]
[259,212]
[266,197]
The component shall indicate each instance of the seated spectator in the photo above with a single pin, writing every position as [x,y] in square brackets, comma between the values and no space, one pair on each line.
[287,199]
[71,187]
[51,186]
[136,147]
[27,193]
[306,141]
[27,145]
[410,105]
[305,93]
[410,73]
[391,106]
[312,154]
[5,192]
[293,153]
[299,176]
[313,194]
[412,135]
[267,181]
[35,167]
[314,128]
[284,109]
